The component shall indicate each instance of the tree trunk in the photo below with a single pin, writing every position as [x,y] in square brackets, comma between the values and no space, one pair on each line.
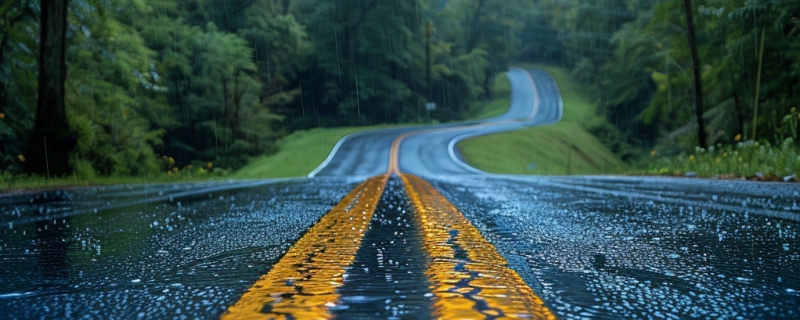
[698,85]
[50,142]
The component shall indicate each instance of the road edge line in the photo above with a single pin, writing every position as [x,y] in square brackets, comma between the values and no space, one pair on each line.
[332,154]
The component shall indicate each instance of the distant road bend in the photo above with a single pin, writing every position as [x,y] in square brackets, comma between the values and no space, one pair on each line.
[430,150]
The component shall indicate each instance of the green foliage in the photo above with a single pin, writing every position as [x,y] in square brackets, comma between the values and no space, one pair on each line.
[18,79]
[749,159]
[223,81]
[633,57]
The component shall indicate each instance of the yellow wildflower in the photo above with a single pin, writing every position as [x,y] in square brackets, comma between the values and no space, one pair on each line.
[691,158]
[21,158]
[653,153]
[718,160]
[209,165]
[175,169]
[725,155]
[171,160]
[738,137]
[2,115]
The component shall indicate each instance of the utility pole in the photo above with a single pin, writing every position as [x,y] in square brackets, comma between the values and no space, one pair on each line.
[428,33]
[429,96]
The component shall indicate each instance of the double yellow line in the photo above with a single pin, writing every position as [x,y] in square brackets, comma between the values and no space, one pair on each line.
[469,279]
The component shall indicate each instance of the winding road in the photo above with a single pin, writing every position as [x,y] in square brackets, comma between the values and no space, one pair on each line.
[430,150]
[395,225]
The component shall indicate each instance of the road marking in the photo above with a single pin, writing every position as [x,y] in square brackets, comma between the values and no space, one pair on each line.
[469,279]
[302,285]
[453,142]
[332,154]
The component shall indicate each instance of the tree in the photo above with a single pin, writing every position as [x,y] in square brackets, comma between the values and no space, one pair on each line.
[49,144]
[697,81]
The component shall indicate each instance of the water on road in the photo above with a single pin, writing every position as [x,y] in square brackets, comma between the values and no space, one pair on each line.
[190,252]
[590,253]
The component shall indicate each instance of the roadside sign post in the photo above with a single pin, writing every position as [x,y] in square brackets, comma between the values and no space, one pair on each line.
[430,106]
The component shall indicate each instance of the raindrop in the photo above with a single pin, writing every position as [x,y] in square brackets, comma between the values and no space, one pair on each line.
[743,279]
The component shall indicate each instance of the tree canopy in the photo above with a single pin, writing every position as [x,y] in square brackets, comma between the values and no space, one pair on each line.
[153,85]
[202,81]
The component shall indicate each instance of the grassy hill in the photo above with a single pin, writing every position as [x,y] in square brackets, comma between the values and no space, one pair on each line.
[558,149]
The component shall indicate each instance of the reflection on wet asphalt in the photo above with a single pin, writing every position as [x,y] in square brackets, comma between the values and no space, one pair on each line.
[590,250]
[188,253]
[589,247]
[387,279]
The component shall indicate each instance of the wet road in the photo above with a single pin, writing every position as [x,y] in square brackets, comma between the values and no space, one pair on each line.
[572,247]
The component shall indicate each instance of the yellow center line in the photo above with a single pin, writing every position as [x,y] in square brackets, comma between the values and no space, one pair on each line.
[302,285]
[469,278]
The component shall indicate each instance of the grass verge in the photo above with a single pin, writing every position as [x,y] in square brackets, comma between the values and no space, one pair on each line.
[745,160]
[20,183]
[562,148]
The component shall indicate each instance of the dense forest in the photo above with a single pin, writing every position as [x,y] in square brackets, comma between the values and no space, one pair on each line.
[153,85]
[635,60]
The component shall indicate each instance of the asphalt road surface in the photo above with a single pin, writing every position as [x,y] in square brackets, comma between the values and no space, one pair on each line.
[366,238]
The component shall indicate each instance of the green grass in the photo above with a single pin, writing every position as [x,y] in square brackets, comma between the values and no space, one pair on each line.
[562,148]
[748,160]
[18,183]
[300,153]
